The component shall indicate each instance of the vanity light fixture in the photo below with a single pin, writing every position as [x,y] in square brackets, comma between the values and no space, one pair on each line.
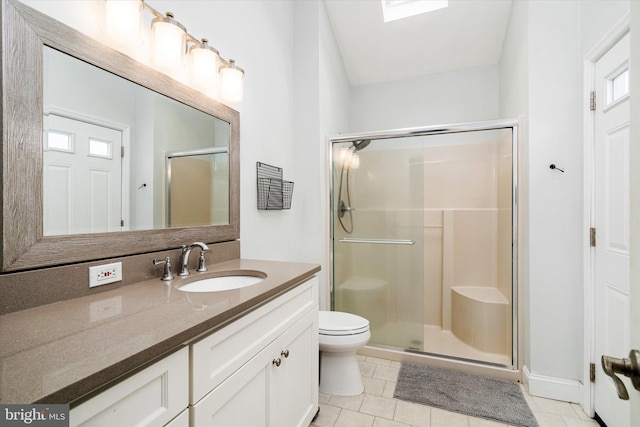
[171,43]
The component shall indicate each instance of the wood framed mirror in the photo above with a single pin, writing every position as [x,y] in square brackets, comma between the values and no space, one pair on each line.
[26,34]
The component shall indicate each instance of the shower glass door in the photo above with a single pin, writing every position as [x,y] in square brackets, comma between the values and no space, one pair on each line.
[378,237]
[424,234]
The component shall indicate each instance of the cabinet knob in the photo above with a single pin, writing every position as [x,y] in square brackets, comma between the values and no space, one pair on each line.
[277,362]
[285,353]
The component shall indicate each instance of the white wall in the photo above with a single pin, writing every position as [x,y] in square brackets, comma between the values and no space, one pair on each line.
[334,119]
[467,95]
[555,199]
[541,78]
[597,18]
[321,100]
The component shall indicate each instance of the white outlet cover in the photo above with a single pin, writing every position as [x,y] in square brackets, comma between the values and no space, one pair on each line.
[105,274]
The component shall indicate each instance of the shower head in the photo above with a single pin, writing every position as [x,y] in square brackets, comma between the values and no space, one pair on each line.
[361,144]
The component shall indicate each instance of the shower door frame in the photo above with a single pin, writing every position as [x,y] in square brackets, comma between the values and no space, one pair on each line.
[512,124]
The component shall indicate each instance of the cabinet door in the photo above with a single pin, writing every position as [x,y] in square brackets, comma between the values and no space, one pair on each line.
[151,397]
[241,400]
[295,381]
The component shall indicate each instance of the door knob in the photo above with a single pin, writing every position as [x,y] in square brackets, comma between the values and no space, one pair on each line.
[629,367]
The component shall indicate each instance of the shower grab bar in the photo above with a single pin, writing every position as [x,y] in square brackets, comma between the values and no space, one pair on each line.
[378,241]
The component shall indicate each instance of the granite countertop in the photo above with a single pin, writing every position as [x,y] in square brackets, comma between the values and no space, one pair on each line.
[59,352]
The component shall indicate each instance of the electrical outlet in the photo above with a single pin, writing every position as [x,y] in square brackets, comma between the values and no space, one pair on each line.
[104,274]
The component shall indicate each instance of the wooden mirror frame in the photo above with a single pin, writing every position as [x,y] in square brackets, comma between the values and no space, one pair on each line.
[24,34]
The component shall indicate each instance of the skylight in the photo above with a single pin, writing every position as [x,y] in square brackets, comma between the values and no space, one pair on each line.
[398,9]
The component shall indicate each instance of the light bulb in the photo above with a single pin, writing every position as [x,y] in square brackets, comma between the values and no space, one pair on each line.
[123,21]
[232,82]
[203,67]
[169,42]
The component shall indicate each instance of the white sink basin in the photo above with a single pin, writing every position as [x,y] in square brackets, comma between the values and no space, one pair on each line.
[221,283]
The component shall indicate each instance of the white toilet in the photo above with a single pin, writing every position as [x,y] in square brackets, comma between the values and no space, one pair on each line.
[341,335]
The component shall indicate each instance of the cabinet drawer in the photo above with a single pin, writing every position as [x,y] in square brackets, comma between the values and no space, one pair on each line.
[152,397]
[216,357]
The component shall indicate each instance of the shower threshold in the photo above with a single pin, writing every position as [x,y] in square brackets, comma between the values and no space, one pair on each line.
[439,343]
[456,358]
[445,343]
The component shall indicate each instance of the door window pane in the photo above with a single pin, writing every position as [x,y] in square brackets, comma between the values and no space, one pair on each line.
[100,148]
[59,141]
[618,87]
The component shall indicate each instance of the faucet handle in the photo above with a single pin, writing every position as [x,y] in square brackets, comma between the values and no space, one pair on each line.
[167,275]
[201,266]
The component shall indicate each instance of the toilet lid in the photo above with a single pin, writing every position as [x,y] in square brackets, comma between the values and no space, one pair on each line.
[339,323]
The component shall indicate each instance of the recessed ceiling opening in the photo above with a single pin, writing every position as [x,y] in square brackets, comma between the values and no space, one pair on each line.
[398,9]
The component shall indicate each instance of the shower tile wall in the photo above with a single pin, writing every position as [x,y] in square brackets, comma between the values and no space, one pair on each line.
[467,234]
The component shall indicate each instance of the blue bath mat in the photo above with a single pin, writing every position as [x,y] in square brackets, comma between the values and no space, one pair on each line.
[469,394]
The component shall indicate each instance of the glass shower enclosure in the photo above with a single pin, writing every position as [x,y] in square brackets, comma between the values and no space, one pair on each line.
[423,238]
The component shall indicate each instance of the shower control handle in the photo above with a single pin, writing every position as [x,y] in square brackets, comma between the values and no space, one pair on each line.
[343,208]
[629,367]
[277,362]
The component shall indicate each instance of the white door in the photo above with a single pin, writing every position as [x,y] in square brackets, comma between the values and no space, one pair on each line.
[82,177]
[612,223]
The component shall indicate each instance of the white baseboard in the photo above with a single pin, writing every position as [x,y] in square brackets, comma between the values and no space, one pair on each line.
[551,387]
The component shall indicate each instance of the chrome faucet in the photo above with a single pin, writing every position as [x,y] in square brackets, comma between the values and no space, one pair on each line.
[184,258]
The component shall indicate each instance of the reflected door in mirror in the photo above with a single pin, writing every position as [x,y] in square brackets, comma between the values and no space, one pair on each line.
[82,177]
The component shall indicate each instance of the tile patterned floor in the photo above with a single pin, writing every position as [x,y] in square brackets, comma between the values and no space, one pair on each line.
[376,407]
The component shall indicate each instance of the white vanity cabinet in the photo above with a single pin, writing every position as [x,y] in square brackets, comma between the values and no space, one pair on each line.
[259,370]
[262,369]
[151,397]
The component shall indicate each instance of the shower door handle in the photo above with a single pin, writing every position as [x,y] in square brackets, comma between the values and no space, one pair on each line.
[629,367]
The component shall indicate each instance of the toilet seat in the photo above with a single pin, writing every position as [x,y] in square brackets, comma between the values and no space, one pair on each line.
[337,323]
